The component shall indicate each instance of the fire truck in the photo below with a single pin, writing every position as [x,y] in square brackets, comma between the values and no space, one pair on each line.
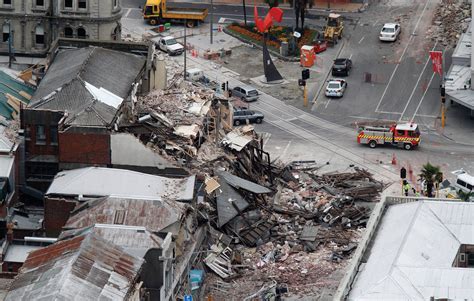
[403,135]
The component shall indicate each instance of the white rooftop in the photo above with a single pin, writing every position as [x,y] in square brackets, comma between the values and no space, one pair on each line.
[6,165]
[101,181]
[406,126]
[413,253]
[19,253]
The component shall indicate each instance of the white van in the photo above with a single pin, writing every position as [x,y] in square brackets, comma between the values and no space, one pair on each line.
[194,74]
[464,182]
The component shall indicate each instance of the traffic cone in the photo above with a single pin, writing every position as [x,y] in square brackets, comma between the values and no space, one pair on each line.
[394,160]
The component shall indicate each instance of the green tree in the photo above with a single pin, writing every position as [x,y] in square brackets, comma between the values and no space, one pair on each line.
[431,174]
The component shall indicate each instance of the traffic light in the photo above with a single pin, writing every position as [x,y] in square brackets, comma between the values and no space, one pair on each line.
[443,99]
[443,91]
[223,86]
[305,74]
[301,82]
[403,173]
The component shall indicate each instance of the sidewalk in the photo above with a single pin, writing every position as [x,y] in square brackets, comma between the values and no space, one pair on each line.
[459,126]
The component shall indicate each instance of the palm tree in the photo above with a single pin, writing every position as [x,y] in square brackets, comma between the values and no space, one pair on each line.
[431,174]
[465,196]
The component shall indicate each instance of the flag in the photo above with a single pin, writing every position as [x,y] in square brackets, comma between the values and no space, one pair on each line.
[437,60]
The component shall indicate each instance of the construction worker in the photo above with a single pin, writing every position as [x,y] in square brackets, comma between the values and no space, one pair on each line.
[417,194]
[406,187]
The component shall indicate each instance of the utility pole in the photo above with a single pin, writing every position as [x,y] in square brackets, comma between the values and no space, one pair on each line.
[245,13]
[185,48]
[443,95]
[10,55]
[212,18]
[305,95]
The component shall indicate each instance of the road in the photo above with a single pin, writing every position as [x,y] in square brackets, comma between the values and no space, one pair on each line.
[402,87]
[132,9]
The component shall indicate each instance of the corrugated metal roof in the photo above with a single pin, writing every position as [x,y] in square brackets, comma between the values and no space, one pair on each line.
[227,201]
[11,86]
[413,253]
[100,181]
[135,240]
[82,268]
[64,86]
[240,183]
[152,214]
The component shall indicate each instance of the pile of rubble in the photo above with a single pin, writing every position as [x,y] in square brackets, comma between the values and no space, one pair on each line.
[289,239]
[451,19]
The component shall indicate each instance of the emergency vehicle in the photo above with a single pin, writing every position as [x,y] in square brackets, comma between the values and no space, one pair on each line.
[404,135]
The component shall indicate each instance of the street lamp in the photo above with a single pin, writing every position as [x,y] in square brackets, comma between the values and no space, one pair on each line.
[212,18]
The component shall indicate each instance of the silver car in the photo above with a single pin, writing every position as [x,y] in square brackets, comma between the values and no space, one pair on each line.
[246,93]
[335,88]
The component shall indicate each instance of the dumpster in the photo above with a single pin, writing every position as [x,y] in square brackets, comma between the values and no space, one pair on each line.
[307,56]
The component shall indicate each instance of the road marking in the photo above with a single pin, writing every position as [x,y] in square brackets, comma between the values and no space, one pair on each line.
[403,54]
[286,149]
[375,23]
[327,103]
[350,57]
[417,82]
[385,112]
[427,116]
[269,135]
[128,12]
[423,96]
[360,41]
[362,117]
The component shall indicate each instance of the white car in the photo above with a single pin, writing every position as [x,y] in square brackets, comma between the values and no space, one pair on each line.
[170,45]
[390,32]
[335,88]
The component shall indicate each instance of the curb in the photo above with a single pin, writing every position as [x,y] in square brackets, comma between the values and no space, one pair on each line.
[291,59]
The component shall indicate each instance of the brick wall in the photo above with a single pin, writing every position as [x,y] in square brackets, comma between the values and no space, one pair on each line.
[85,148]
[56,214]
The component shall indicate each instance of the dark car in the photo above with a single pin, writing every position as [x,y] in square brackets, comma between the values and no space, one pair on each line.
[241,117]
[341,67]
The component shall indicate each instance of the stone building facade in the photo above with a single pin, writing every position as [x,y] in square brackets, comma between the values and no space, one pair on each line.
[35,24]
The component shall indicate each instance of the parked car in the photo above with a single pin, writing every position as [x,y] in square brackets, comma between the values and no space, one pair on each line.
[342,66]
[242,116]
[336,88]
[390,32]
[169,45]
[246,93]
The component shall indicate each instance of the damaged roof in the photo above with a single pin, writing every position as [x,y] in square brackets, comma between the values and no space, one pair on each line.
[87,266]
[101,181]
[153,214]
[89,83]
[240,183]
[229,202]
[135,240]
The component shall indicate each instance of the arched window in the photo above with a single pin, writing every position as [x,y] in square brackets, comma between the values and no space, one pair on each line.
[81,33]
[68,32]
[39,35]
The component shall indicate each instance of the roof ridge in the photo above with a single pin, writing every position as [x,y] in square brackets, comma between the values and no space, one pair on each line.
[86,61]
[408,280]
[404,240]
[92,106]
[444,225]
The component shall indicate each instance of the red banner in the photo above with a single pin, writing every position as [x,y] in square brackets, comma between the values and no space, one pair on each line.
[437,60]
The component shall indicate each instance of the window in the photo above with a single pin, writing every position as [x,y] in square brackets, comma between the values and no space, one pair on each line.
[82,4]
[40,135]
[54,135]
[67,3]
[6,32]
[68,32]
[39,35]
[39,2]
[400,133]
[115,3]
[461,183]
[27,132]
[470,260]
[81,33]
[7,2]
[462,257]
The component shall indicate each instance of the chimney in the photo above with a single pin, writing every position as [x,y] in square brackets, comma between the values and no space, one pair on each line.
[10,232]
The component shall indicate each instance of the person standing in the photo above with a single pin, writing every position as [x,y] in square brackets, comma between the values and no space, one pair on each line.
[406,187]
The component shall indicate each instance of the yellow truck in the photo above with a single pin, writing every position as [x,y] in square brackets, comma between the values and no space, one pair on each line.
[156,12]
